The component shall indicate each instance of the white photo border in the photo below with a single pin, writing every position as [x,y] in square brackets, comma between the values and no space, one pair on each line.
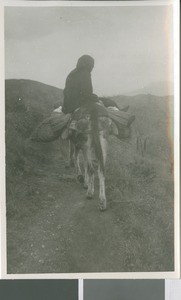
[108,275]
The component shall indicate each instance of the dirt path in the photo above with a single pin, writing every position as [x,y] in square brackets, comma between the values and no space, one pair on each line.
[65,232]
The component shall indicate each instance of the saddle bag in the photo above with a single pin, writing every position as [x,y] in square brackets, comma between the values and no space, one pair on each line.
[120,117]
[123,121]
[51,128]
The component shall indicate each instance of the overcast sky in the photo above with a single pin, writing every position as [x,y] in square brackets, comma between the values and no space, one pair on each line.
[131,45]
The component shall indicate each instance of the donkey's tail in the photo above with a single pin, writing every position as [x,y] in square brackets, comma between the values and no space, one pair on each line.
[96,136]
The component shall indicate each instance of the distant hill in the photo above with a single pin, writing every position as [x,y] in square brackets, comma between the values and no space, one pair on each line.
[34,95]
[158,88]
[152,112]
[149,110]
[29,102]
[154,119]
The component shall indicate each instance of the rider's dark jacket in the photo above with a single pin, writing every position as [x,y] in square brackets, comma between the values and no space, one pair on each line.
[78,89]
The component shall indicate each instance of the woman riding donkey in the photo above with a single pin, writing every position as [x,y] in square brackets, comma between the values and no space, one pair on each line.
[78,90]
[80,101]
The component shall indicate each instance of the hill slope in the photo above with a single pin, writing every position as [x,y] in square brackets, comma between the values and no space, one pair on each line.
[51,227]
[33,94]
[154,119]
[28,102]
[158,88]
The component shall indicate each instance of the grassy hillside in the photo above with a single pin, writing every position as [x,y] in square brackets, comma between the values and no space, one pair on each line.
[153,116]
[34,95]
[139,188]
[27,103]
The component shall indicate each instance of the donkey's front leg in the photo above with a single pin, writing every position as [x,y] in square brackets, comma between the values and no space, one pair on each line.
[86,176]
[90,175]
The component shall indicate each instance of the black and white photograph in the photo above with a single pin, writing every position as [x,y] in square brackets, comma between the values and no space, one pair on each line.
[124,289]
[91,140]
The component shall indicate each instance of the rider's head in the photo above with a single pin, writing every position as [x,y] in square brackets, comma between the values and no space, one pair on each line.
[85,62]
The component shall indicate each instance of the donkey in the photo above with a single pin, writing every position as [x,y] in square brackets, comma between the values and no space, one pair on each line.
[89,135]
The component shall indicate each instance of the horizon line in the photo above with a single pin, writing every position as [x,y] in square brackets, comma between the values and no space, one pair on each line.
[127,94]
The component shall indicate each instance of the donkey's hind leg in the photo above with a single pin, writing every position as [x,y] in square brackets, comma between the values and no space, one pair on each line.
[102,194]
[101,173]
[71,154]
[89,169]
[80,176]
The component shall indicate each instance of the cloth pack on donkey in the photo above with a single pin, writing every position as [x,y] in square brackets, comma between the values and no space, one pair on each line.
[51,128]
[120,125]
[122,120]
[80,119]
[59,124]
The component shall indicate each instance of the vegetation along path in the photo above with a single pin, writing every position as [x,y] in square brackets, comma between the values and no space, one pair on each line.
[52,227]
[57,230]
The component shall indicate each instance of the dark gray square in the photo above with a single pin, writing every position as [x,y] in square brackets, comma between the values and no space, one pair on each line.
[39,290]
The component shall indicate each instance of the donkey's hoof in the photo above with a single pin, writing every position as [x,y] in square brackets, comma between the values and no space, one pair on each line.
[102,206]
[89,196]
[80,178]
[85,186]
[70,165]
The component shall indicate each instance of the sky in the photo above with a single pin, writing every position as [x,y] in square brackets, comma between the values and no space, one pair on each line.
[132,46]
